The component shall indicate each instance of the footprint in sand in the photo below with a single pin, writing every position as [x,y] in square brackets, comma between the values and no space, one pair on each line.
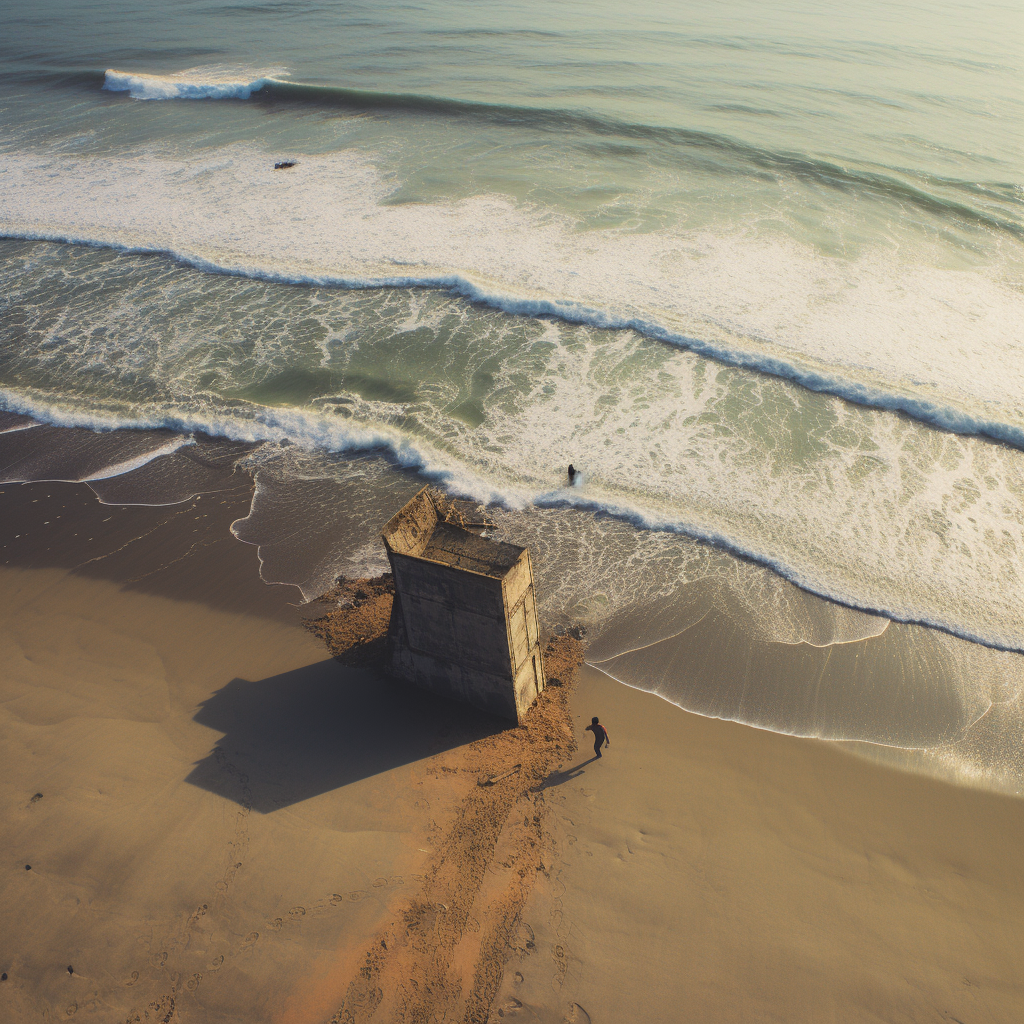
[396,880]
[356,896]
[276,924]
[297,912]
[336,898]
[193,983]
[72,1010]
[215,963]
[133,978]
[159,959]
[251,938]
[378,882]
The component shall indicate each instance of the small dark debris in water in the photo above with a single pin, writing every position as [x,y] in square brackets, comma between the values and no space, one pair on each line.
[71,969]
[282,164]
[38,796]
[28,867]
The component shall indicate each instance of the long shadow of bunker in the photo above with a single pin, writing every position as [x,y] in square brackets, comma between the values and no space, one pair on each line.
[314,729]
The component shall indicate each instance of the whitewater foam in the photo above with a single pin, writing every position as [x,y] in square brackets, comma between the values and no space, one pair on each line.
[942,346]
[820,490]
[202,83]
[317,431]
[136,462]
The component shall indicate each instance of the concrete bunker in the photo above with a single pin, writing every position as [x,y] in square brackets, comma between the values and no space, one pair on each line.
[464,619]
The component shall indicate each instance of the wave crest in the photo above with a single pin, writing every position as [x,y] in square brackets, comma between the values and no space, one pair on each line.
[195,84]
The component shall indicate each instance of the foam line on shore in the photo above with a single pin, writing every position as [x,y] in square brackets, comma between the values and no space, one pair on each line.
[138,461]
[933,414]
[646,521]
[319,432]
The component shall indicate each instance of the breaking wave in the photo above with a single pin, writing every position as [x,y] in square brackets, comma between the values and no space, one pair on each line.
[315,431]
[935,414]
[977,202]
[203,84]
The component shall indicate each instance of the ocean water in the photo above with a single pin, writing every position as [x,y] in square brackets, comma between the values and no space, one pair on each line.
[757,269]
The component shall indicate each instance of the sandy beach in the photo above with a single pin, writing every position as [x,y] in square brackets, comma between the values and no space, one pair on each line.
[715,872]
[207,818]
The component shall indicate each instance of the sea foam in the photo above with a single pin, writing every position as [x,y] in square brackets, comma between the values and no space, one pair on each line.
[196,84]
[866,509]
[317,431]
[939,345]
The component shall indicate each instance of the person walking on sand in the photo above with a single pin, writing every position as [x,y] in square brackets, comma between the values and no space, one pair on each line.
[600,736]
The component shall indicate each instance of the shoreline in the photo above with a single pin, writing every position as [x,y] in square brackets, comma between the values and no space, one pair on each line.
[394,451]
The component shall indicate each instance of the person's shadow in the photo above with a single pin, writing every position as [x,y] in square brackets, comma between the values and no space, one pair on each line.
[567,775]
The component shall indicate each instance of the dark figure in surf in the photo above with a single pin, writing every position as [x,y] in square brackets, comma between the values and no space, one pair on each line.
[600,736]
[282,164]
[572,474]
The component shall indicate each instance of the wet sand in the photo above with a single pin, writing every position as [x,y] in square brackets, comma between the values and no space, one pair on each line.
[231,823]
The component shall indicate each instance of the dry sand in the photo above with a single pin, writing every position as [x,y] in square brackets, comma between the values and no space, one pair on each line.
[713,872]
[234,827]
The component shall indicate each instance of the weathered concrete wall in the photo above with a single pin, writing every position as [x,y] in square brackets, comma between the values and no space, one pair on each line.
[529,682]
[518,579]
[452,615]
[524,633]
[464,621]
[410,528]
[492,692]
